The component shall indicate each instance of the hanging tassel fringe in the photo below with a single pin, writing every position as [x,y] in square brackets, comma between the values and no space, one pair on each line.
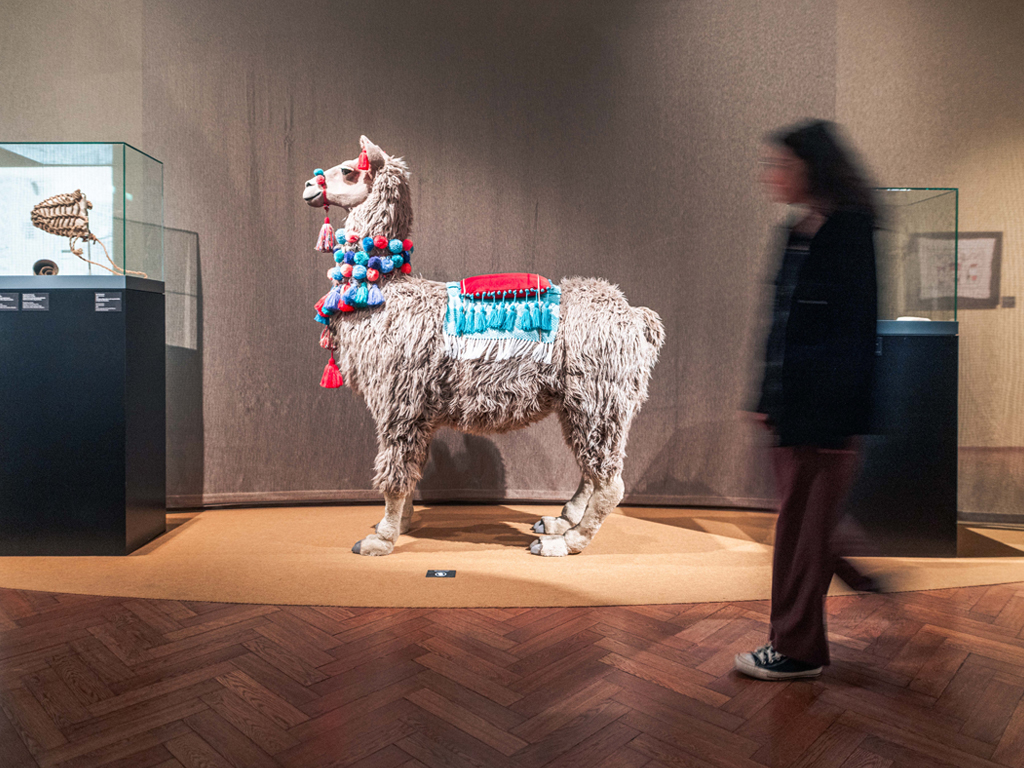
[375,297]
[332,376]
[325,242]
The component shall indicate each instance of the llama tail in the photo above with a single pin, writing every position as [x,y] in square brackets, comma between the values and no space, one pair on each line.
[654,329]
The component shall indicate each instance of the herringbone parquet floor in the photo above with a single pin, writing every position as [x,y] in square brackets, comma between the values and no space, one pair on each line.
[918,679]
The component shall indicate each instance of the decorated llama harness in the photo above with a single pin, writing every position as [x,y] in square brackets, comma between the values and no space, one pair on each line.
[490,317]
[496,317]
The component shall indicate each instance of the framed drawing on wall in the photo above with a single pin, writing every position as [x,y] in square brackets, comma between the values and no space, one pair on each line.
[972,278]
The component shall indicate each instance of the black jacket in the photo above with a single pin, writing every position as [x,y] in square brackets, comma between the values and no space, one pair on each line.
[828,357]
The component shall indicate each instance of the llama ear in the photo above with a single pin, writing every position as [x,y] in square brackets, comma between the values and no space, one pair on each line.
[376,155]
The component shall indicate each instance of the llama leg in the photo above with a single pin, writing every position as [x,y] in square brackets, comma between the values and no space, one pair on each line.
[406,515]
[383,541]
[607,495]
[572,512]
[399,464]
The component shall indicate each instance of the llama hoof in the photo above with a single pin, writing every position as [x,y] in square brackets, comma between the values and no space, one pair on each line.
[554,526]
[373,547]
[549,546]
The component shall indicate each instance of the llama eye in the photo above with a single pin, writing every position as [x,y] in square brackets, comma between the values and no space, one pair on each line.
[346,171]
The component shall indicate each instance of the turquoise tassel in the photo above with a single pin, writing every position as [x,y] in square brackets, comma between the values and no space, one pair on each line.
[362,295]
[509,324]
[497,317]
[460,319]
[479,326]
[519,318]
[530,323]
[547,321]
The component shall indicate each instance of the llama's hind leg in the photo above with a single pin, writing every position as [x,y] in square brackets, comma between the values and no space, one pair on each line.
[391,525]
[572,512]
[606,496]
[406,522]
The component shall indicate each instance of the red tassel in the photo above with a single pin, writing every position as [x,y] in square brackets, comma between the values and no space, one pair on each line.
[364,161]
[332,376]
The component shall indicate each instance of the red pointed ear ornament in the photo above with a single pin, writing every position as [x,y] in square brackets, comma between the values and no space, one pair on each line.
[364,161]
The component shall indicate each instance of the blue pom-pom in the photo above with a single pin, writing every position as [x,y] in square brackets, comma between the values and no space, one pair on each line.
[350,257]
[374,298]
[398,261]
[359,272]
[395,246]
[318,172]
[336,274]
[374,263]
[340,236]
[339,256]
[361,258]
[386,265]
[367,243]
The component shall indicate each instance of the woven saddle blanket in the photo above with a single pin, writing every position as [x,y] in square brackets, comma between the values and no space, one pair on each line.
[498,317]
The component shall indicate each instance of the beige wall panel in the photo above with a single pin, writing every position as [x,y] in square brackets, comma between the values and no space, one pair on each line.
[71,71]
[932,94]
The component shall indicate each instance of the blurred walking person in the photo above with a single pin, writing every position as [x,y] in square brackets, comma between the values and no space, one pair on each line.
[816,392]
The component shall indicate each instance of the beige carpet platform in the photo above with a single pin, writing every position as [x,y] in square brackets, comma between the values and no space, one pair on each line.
[301,555]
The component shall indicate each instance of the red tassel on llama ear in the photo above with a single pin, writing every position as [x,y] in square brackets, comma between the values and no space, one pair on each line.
[364,161]
[332,376]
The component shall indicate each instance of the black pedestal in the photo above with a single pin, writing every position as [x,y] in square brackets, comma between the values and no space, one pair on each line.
[906,496]
[82,424]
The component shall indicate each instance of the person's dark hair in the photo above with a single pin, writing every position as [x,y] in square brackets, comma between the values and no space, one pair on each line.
[833,173]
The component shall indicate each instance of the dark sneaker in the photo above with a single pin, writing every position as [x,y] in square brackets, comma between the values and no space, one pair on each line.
[768,664]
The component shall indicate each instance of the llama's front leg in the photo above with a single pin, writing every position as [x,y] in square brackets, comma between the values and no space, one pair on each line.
[572,512]
[383,541]
[606,496]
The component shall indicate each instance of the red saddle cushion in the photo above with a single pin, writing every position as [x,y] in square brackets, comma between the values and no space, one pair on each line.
[518,283]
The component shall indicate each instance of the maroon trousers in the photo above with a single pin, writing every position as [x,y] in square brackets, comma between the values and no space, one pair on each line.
[812,483]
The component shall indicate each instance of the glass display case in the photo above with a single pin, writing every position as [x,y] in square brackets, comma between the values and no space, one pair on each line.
[917,253]
[123,188]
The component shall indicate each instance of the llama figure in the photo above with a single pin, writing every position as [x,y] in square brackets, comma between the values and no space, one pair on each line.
[594,375]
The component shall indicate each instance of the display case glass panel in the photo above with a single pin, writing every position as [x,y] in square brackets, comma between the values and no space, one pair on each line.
[124,187]
[917,253]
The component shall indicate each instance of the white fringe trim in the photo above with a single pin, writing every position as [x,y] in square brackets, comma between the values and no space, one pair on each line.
[469,348]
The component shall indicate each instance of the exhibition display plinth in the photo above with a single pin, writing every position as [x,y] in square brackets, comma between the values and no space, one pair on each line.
[906,497]
[82,438]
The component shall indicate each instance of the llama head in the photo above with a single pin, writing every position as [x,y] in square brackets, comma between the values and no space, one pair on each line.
[376,199]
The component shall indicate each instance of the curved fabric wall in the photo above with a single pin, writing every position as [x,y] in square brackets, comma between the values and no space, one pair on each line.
[617,139]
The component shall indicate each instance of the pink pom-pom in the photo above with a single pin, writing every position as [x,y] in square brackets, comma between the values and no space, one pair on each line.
[353,238]
[407,245]
[346,270]
[372,275]
[380,242]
